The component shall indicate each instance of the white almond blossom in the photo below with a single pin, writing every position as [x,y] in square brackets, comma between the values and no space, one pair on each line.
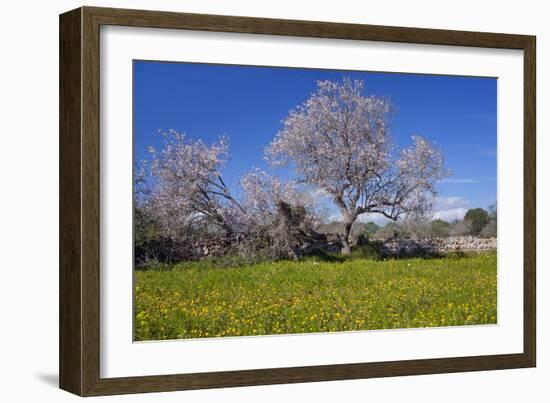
[188,187]
[263,193]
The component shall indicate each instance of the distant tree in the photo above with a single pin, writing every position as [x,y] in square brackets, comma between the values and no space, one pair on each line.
[362,232]
[415,228]
[370,228]
[440,228]
[390,230]
[339,141]
[460,228]
[478,218]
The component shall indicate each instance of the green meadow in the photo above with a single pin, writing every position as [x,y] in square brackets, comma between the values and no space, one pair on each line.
[191,300]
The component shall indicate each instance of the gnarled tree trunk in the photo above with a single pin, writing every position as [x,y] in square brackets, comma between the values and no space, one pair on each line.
[346,242]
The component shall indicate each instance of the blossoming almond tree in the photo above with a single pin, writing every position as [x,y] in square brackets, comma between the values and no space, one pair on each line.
[339,141]
[188,187]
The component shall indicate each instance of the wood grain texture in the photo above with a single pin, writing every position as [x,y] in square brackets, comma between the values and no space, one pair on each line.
[90,201]
[70,274]
[316,29]
[305,374]
[530,202]
[79,201]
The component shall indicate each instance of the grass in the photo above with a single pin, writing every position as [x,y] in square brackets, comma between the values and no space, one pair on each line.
[193,300]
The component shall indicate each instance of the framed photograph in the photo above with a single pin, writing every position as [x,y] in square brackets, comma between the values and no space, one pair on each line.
[248,201]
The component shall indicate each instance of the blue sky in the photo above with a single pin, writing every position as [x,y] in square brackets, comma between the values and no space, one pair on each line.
[247,104]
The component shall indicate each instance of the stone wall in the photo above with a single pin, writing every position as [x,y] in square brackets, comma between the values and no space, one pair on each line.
[330,243]
[412,247]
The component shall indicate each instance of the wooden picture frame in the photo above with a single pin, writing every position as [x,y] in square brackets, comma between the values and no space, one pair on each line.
[79,346]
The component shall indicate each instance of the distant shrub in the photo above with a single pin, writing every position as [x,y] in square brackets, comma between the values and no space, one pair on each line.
[478,218]
[439,229]
[390,230]
[460,228]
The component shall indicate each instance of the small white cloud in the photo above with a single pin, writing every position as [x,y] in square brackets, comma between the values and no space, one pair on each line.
[364,218]
[460,180]
[450,202]
[450,208]
[445,208]
[378,219]
[450,214]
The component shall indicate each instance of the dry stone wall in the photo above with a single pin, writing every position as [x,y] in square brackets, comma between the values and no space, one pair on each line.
[412,247]
[393,247]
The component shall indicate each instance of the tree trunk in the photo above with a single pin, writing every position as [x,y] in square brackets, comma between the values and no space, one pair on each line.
[346,247]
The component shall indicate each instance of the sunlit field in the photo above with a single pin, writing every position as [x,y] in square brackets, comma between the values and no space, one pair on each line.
[192,300]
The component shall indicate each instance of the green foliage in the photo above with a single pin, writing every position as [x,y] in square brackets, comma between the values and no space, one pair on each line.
[478,218]
[371,227]
[391,230]
[145,228]
[358,229]
[197,300]
[149,247]
[440,228]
